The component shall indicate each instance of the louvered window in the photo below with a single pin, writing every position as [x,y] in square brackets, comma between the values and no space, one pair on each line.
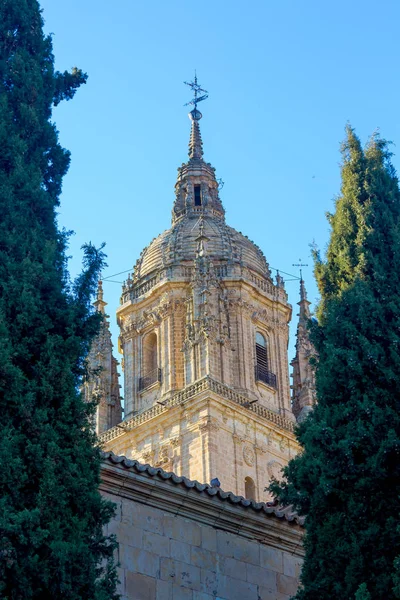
[262,372]
[261,352]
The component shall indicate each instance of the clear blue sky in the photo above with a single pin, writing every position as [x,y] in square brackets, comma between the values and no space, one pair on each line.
[284,77]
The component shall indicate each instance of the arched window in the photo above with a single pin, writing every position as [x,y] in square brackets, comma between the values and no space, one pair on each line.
[150,371]
[249,488]
[262,371]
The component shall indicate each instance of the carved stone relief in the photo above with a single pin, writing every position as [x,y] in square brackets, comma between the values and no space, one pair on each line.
[248,456]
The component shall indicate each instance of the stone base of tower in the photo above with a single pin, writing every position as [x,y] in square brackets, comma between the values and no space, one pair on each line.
[208,431]
[180,540]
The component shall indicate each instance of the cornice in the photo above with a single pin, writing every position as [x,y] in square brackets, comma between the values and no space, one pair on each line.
[276,526]
[199,388]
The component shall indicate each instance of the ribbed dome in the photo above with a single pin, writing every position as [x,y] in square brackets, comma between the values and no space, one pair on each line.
[198,213]
[179,244]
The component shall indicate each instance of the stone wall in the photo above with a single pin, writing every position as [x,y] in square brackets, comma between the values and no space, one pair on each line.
[208,431]
[179,540]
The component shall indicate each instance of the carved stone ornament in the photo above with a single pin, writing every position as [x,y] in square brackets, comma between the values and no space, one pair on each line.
[274,469]
[248,456]
[260,449]
[208,424]
[148,456]
[237,439]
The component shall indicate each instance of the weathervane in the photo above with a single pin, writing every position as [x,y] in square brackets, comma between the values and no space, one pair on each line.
[196,89]
[300,264]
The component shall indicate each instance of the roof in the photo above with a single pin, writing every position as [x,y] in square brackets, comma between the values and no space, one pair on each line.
[268,508]
[179,244]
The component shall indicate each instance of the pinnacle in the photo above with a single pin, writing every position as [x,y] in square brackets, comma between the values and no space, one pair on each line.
[99,303]
[304,303]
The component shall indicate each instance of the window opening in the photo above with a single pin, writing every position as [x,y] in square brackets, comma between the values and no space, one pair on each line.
[249,489]
[262,372]
[197,195]
[150,371]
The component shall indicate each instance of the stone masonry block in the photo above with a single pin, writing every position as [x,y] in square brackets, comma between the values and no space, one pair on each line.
[180,573]
[163,590]
[208,538]
[292,565]
[181,593]
[234,547]
[209,582]
[126,510]
[203,558]
[158,544]
[271,558]
[267,594]
[126,534]
[286,585]
[233,568]
[148,518]
[261,576]
[234,589]
[182,530]
[139,561]
[140,587]
[121,579]
[202,596]
[225,543]
[180,550]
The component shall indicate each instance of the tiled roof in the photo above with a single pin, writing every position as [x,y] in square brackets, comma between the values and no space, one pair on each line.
[269,508]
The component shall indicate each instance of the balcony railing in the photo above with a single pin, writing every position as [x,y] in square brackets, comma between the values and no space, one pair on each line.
[265,376]
[150,378]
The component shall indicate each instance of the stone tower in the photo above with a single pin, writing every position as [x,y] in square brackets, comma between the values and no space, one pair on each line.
[204,337]
[303,395]
[103,385]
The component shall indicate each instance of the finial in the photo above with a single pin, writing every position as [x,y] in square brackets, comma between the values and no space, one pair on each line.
[303,293]
[195,115]
[195,143]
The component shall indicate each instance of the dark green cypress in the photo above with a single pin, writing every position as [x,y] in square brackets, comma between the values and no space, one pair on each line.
[347,480]
[51,513]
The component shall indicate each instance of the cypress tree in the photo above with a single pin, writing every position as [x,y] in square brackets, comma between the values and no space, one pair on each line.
[347,480]
[51,513]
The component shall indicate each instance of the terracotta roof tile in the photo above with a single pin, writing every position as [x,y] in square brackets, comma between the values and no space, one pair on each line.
[269,508]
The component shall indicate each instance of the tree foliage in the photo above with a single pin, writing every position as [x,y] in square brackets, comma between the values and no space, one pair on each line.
[347,480]
[51,513]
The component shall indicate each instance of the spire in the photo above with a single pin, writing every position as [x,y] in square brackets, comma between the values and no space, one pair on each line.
[102,383]
[304,303]
[195,142]
[303,395]
[303,293]
[196,189]
[99,303]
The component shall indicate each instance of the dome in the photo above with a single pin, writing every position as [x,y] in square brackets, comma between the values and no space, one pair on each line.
[178,245]
[198,217]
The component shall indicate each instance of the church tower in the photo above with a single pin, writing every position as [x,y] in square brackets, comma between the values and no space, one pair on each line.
[204,337]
